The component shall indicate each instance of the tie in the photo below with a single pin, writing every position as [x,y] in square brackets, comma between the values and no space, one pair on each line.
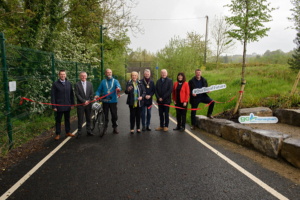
[84,89]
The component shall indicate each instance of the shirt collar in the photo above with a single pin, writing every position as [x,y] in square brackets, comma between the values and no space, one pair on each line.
[62,81]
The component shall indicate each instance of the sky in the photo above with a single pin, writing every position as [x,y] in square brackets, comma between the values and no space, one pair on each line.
[159,32]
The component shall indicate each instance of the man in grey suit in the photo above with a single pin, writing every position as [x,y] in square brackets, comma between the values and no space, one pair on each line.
[84,92]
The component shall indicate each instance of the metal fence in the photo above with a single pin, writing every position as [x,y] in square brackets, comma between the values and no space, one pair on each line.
[33,72]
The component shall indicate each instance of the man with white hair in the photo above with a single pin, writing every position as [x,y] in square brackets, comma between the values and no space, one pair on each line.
[84,93]
[107,86]
[150,90]
[163,93]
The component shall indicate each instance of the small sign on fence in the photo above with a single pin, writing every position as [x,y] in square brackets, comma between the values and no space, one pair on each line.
[211,88]
[12,86]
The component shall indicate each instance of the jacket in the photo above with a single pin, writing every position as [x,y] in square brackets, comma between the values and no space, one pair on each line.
[63,95]
[164,90]
[149,91]
[193,85]
[79,92]
[184,92]
[103,89]
[141,93]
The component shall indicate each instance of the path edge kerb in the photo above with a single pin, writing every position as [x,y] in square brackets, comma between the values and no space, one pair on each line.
[271,143]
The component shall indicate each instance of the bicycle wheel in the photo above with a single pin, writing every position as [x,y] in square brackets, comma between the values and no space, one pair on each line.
[101,123]
[93,122]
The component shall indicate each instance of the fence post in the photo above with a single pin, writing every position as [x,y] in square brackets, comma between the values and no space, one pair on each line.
[76,72]
[6,91]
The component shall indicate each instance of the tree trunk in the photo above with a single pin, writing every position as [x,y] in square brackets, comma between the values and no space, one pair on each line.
[217,62]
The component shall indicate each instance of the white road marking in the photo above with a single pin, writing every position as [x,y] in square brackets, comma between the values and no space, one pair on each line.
[239,168]
[37,166]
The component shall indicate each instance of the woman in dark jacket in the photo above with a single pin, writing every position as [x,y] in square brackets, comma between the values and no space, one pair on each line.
[181,94]
[136,95]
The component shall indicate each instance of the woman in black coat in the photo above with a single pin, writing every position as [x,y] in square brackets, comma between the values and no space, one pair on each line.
[136,94]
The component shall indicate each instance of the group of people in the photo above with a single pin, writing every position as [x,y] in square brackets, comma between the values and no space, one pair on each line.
[140,97]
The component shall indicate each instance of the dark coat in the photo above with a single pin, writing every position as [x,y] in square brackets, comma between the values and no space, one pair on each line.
[193,85]
[164,90]
[141,93]
[63,95]
[149,91]
[79,92]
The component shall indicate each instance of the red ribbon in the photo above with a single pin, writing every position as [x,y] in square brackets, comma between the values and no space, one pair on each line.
[24,98]
[196,108]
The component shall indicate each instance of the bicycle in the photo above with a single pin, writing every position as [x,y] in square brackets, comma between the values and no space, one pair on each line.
[99,118]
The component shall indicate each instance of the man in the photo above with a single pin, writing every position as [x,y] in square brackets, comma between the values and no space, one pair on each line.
[107,86]
[62,93]
[163,92]
[198,82]
[150,90]
[84,92]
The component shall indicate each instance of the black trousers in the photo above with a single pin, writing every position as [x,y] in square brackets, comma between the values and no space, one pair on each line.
[87,110]
[58,122]
[113,111]
[205,100]
[135,116]
[181,115]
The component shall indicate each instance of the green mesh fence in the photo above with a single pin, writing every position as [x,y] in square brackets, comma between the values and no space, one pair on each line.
[34,73]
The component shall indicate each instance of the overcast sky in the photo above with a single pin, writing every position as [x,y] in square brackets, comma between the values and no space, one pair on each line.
[158,33]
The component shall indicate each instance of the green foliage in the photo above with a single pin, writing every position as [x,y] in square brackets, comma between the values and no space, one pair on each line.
[294,62]
[296,14]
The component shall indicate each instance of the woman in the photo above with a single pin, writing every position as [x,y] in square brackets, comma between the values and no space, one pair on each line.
[181,94]
[136,94]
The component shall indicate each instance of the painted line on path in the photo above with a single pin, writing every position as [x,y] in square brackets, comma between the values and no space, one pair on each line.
[37,166]
[233,164]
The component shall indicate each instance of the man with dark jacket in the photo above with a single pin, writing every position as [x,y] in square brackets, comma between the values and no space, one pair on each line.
[84,92]
[150,90]
[62,93]
[163,93]
[198,82]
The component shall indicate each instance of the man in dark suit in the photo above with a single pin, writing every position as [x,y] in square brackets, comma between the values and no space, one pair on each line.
[62,93]
[198,82]
[84,92]
[163,93]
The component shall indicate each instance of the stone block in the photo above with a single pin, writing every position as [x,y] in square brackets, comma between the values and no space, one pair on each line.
[237,133]
[291,151]
[267,141]
[258,111]
[288,116]
[201,121]
[214,126]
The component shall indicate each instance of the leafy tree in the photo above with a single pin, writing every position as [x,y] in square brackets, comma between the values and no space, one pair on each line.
[248,18]
[221,40]
[294,62]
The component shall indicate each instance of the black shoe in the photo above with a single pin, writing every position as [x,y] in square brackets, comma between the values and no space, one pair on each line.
[132,132]
[138,131]
[148,128]
[116,130]
[79,135]
[210,117]
[90,134]
[176,129]
[143,129]
[104,132]
[182,129]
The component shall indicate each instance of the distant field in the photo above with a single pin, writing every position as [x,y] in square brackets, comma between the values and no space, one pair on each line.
[266,86]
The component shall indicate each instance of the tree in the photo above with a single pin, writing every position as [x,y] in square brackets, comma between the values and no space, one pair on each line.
[248,18]
[296,14]
[294,62]
[221,40]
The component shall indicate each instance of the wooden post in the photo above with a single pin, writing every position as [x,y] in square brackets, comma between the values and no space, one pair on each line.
[295,84]
[240,97]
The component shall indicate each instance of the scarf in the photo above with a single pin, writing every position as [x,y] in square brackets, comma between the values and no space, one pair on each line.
[135,103]
[147,79]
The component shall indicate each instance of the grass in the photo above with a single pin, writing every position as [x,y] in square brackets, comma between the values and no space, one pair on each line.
[267,85]
[24,130]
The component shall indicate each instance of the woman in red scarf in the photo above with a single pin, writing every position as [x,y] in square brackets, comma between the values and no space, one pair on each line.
[181,94]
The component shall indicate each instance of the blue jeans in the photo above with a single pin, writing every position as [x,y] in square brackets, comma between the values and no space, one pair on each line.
[144,108]
[163,115]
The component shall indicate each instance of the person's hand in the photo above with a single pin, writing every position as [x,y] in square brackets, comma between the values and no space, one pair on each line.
[208,92]
[129,88]
[118,88]
[174,102]
[140,98]
[184,104]
[55,109]
[96,97]
[86,103]
[72,107]
[160,99]
[194,95]
[148,96]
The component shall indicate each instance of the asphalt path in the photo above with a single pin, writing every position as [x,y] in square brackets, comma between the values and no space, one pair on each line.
[150,165]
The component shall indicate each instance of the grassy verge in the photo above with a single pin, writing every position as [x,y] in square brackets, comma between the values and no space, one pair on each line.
[24,130]
[268,86]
